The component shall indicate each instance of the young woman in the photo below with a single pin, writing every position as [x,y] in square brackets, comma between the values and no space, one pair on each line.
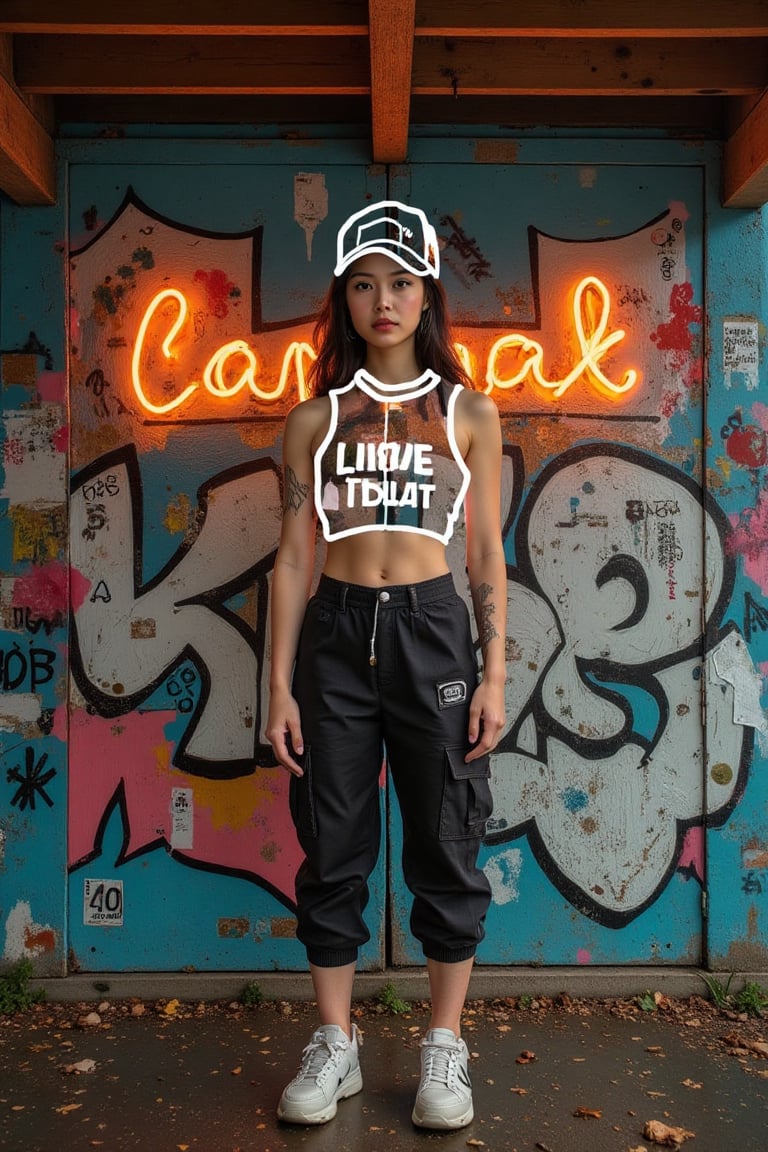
[380,660]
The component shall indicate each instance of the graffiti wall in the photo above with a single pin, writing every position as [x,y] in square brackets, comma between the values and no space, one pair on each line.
[629,786]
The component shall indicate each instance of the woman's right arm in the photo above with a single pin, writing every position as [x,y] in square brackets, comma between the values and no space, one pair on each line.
[291,581]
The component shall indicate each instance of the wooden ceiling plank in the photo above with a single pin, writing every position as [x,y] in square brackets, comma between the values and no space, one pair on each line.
[184,64]
[601,18]
[587,67]
[27,156]
[102,64]
[391,39]
[190,17]
[745,161]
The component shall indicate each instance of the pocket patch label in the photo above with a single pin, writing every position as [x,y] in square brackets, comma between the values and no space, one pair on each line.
[451,692]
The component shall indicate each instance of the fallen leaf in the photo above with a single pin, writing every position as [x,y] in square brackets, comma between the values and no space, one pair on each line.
[80,1066]
[68,1108]
[525,1057]
[588,1113]
[473,1143]
[171,1008]
[666,1135]
[236,1071]
[520,1091]
[92,1020]
[688,1083]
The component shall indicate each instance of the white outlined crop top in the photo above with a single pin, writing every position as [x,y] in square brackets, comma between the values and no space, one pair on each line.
[389,461]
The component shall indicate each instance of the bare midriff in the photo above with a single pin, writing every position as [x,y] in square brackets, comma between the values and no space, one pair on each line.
[376,559]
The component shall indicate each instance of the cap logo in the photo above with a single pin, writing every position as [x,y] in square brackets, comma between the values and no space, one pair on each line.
[393,229]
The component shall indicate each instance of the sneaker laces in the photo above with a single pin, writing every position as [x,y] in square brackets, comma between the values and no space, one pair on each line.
[440,1065]
[319,1056]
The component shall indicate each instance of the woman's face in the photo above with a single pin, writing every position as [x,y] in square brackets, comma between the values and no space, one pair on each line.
[385,301]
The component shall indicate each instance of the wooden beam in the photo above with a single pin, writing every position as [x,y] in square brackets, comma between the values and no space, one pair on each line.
[306,65]
[27,157]
[191,17]
[600,18]
[391,36]
[745,161]
[187,64]
[587,67]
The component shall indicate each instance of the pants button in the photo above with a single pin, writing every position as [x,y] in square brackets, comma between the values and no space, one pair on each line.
[383,597]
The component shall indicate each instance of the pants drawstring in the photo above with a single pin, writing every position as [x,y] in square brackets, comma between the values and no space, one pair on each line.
[372,655]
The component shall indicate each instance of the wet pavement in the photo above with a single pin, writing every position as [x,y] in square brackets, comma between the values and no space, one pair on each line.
[172,1077]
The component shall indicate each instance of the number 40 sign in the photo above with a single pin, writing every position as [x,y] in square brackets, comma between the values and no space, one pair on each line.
[103,902]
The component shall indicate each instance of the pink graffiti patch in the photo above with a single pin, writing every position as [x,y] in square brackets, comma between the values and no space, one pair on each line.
[750,540]
[79,587]
[133,751]
[583,956]
[692,855]
[219,290]
[43,590]
[52,387]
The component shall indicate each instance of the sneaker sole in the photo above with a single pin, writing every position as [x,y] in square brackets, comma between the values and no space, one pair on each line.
[442,1123]
[293,1113]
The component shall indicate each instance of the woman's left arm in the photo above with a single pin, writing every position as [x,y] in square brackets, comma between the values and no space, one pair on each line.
[486,567]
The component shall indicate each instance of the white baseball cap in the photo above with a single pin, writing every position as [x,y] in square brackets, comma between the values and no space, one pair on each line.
[393,229]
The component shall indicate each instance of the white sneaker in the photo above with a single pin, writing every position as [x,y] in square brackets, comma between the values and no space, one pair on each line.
[444,1098]
[329,1072]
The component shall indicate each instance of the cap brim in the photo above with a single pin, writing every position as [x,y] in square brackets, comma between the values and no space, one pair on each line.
[386,248]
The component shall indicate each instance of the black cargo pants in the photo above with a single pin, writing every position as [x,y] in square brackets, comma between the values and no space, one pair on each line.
[390,668]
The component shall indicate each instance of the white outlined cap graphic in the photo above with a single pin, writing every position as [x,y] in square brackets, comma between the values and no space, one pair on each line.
[394,229]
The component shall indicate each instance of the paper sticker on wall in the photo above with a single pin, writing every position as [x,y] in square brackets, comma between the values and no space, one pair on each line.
[103,903]
[310,203]
[740,351]
[182,817]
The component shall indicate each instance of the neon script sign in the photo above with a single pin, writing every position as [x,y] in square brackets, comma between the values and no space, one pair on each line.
[234,366]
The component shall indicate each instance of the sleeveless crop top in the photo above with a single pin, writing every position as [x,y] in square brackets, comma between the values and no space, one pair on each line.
[389,461]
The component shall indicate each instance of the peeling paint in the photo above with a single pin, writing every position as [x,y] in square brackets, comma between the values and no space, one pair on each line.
[503,874]
[233,927]
[24,939]
[282,926]
[38,533]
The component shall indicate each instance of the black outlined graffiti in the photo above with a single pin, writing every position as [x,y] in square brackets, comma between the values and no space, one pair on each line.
[130,636]
[755,617]
[25,670]
[477,265]
[31,780]
[600,768]
[25,620]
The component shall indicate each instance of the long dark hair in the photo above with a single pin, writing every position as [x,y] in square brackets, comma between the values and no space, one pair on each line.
[340,351]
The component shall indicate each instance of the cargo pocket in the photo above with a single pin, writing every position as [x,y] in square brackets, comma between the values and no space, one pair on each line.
[467,801]
[301,800]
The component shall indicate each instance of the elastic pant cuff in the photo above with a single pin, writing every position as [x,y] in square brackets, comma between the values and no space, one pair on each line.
[449,955]
[334,959]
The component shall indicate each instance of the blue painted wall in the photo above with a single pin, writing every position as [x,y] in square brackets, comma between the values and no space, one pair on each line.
[141,823]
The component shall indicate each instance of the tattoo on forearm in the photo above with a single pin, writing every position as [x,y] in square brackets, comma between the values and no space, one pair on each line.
[295,493]
[485,624]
